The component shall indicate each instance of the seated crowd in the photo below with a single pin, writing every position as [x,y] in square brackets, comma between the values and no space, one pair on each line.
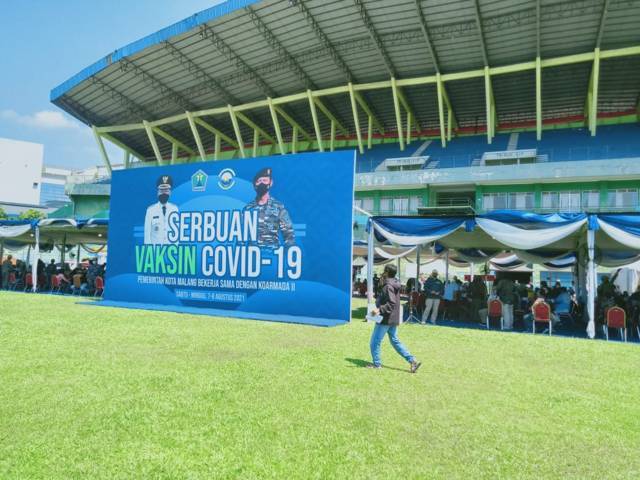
[87,278]
[453,299]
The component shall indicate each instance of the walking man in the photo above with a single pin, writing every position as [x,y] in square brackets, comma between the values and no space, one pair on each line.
[388,306]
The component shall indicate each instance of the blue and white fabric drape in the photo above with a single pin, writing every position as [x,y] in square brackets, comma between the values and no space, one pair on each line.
[529,231]
[409,232]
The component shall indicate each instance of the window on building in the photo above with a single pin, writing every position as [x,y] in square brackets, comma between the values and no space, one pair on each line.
[569,201]
[590,199]
[401,206]
[386,205]
[521,200]
[550,200]
[414,203]
[623,198]
[367,204]
[494,201]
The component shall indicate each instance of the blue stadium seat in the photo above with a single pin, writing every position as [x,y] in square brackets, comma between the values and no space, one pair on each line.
[562,145]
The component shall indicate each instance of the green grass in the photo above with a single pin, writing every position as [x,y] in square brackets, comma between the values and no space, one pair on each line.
[89,392]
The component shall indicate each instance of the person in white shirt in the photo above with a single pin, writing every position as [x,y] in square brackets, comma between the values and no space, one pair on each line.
[157,217]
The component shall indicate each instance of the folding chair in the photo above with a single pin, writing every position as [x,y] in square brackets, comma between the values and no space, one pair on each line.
[99,287]
[616,318]
[28,282]
[13,281]
[494,310]
[55,284]
[542,314]
[77,284]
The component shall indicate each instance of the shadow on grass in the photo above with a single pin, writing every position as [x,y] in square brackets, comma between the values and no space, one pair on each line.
[363,363]
[359,313]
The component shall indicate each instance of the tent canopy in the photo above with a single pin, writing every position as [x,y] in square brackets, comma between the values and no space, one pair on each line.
[54,231]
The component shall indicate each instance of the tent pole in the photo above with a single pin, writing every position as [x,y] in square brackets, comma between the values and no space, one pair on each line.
[64,250]
[471,270]
[398,267]
[1,251]
[417,284]
[446,266]
[36,257]
[591,284]
[370,302]
[78,257]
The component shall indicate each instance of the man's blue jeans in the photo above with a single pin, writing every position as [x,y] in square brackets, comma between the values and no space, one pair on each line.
[377,336]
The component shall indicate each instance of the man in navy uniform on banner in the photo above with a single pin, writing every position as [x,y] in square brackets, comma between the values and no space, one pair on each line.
[273,218]
[157,218]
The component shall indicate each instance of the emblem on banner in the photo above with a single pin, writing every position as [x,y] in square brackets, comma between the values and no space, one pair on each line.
[226,178]
[199,181]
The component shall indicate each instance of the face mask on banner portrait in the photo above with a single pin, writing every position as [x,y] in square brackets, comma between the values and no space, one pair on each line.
[261,189]
[163,197]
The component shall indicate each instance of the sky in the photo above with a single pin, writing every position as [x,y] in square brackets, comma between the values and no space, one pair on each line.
[44,42]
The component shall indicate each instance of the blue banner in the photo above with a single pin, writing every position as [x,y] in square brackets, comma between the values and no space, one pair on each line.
[266,238]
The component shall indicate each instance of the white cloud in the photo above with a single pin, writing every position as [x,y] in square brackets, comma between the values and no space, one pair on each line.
[46,119]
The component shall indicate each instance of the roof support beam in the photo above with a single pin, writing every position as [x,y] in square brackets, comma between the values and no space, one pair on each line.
[172,139]
[329,115]
[440,88]
[490,106]
[276,126]
[216,132]
[408,128]
[196,136]
[154,143]
[396,107]
[592,95]
[216,147]
[333,136]
[250,123]
[407,107]
[538,99]
[103,151]
[354,110]
[293,123]
[236,129]
[369,112]
[174,153]
[369,132]
[316,124]
[118,143]
[294,140]
[256,141]
[434,55]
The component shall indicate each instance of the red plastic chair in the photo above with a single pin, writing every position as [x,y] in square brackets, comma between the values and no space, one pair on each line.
[541,314]
[494,310]
[28,282]
[99,286]
[616,318]
[12,281]
[55,284]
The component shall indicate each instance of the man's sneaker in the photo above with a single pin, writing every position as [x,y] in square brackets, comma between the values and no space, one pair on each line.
[415,365]
[374,366]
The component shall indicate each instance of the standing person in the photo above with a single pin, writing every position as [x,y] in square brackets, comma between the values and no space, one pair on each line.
[388,305]
[478,293]
[7,265]
[508,295]
[433,289]
[50,272]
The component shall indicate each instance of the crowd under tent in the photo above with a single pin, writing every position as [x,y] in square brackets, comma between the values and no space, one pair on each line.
[571,240]
[48,234]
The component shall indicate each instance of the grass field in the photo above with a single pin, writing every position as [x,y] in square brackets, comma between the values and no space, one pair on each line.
[90,392]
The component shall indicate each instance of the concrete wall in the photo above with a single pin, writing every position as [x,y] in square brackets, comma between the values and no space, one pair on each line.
[20,171]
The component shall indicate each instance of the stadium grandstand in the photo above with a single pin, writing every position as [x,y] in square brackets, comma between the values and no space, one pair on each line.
[467,104]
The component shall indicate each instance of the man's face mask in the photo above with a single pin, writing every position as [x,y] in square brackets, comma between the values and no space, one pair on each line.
[163,195]
[261,189]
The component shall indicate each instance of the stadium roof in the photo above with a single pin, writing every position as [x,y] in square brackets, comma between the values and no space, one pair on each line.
[258,71]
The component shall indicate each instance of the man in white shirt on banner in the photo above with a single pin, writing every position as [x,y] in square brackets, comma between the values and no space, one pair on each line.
[157,218]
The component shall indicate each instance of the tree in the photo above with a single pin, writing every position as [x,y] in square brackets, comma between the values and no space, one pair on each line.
[3,214]
[32,214]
